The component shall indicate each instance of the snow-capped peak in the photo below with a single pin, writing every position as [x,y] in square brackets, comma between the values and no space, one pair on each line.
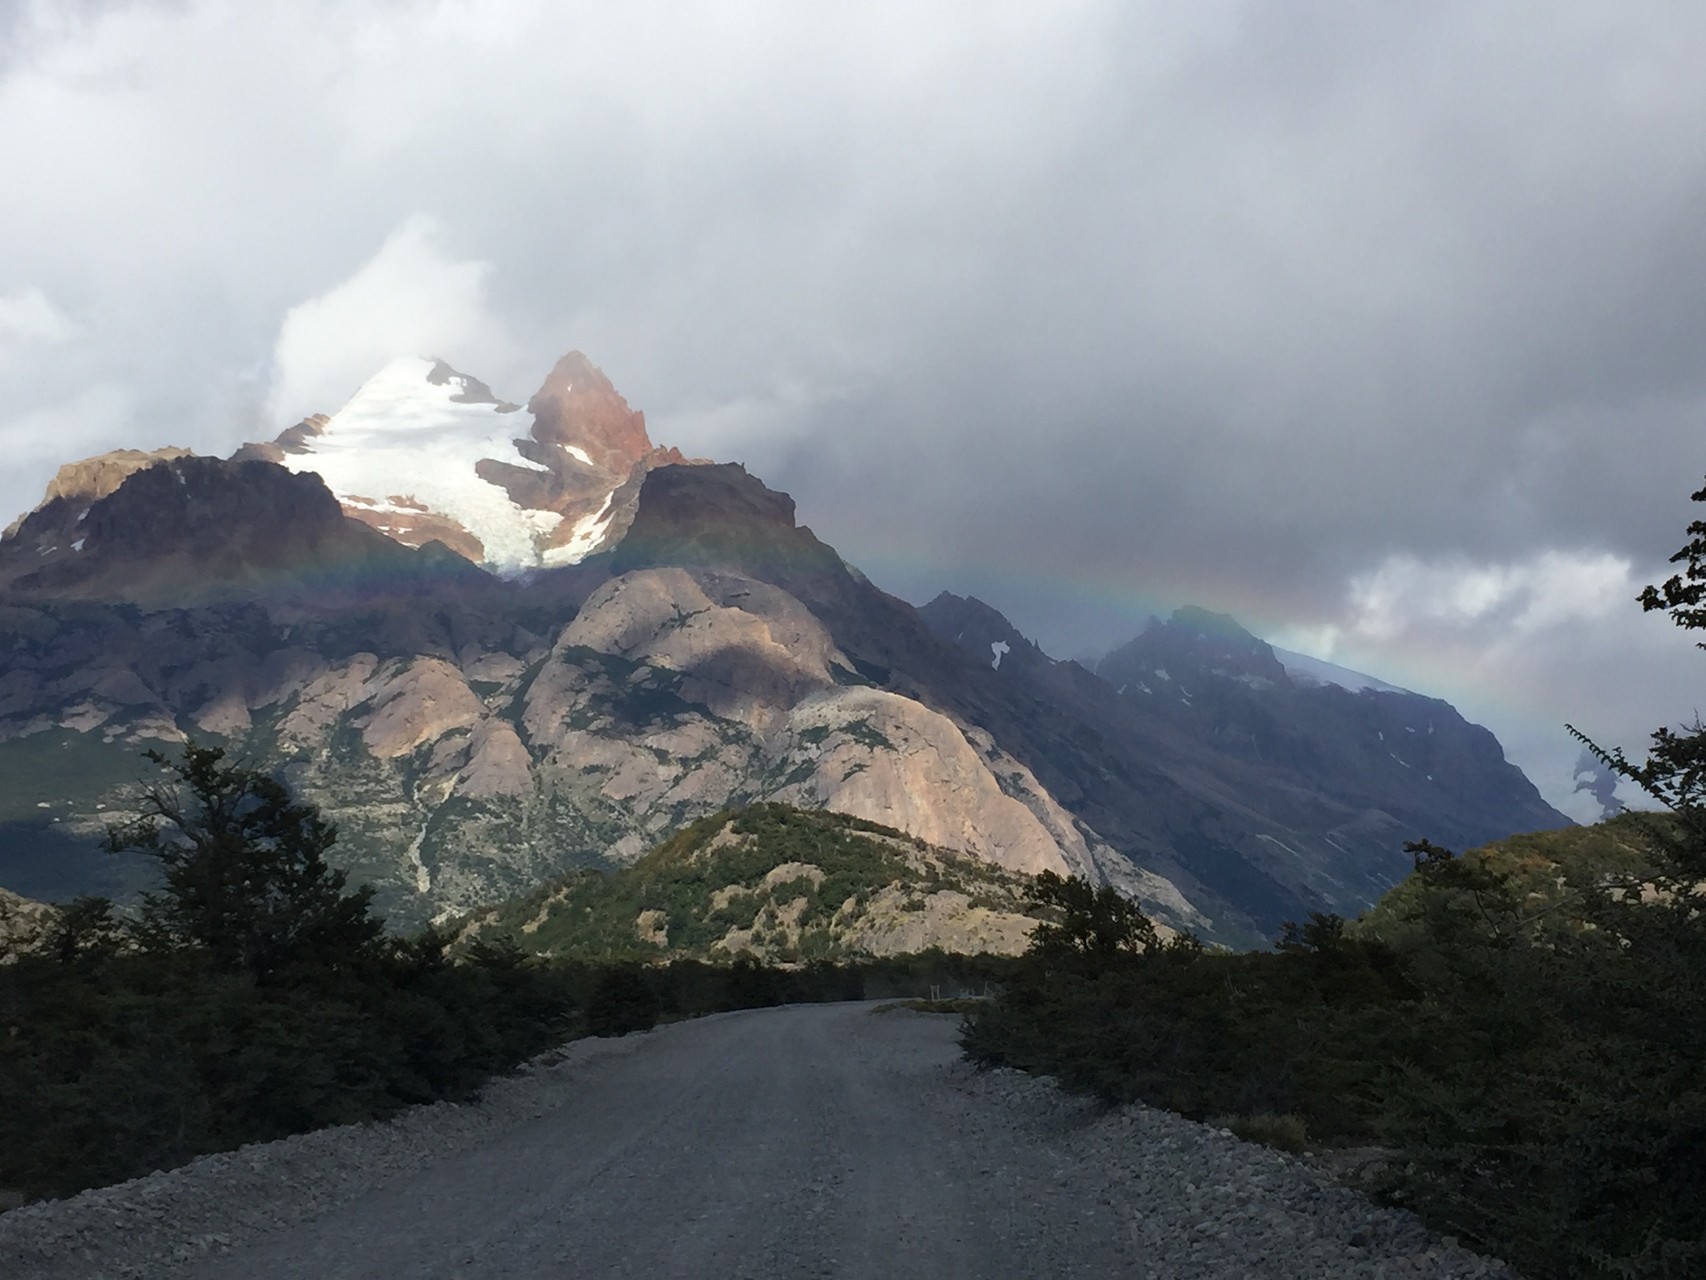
[423,452]
[415,438]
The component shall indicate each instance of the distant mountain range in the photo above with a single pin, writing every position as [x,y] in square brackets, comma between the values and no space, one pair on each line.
[496,644]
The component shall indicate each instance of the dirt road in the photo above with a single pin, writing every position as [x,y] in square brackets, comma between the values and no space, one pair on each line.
[835,1141]
[813,1141]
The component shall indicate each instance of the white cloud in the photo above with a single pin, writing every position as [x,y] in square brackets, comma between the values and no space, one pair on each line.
[1523,647]
[65,431]
[1523,597]
[27,315]
[1197,302]
[410,298]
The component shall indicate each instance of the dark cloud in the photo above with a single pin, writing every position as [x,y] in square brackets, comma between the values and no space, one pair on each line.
[1090,308]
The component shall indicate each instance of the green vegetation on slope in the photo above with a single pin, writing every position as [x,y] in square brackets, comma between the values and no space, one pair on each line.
[1521,1029]
[781,884]
[1550,874]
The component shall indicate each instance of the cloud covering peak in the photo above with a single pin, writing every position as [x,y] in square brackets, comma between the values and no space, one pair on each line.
[1338,318]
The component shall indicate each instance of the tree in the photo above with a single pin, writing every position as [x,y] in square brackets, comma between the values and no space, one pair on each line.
[1094,924]
[1683,594]
[1603,1169]
[246,879]
[82,930]
[621,1001]
[1674,773]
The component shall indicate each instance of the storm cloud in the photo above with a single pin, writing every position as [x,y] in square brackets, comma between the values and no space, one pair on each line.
[1379,327]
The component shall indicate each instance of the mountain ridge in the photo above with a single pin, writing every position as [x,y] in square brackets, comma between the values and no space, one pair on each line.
[475,734]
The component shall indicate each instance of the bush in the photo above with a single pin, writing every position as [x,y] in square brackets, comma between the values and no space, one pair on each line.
[622,1001]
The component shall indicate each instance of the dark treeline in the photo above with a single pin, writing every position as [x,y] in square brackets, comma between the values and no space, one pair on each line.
[1537,1091]
[116,1060]
[254,996]
[615,998]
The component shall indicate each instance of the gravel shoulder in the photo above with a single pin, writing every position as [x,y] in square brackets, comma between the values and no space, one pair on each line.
[816,1140]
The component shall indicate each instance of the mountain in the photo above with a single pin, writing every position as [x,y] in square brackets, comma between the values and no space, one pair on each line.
[471,735]
[423,453]
[1361,743]
[779,884]
[477,733]
[1258,795]
[976,627]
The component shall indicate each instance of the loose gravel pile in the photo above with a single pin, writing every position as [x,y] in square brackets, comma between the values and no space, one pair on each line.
[1154,1194]
[1199,1203]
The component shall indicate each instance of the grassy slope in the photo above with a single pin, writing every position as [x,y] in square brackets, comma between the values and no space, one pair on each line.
[785,884]
[1547,868]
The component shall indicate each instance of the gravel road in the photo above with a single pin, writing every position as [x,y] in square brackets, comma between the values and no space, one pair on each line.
[817,1140]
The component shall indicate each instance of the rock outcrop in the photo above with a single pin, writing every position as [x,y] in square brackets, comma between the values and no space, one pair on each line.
[22,921]
[76,486]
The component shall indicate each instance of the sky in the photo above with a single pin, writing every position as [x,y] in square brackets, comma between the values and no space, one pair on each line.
[1378,327]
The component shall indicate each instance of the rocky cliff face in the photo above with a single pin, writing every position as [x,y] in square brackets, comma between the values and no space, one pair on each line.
[474,735]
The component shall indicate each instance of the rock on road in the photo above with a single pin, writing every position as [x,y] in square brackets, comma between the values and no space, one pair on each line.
[835,1140]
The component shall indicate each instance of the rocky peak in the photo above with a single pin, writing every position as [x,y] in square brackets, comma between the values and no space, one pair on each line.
[1193,643]
[190,529]
[718,516]
[981,630]
[77,485]
[578,410]
[188,501]
[425,453]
